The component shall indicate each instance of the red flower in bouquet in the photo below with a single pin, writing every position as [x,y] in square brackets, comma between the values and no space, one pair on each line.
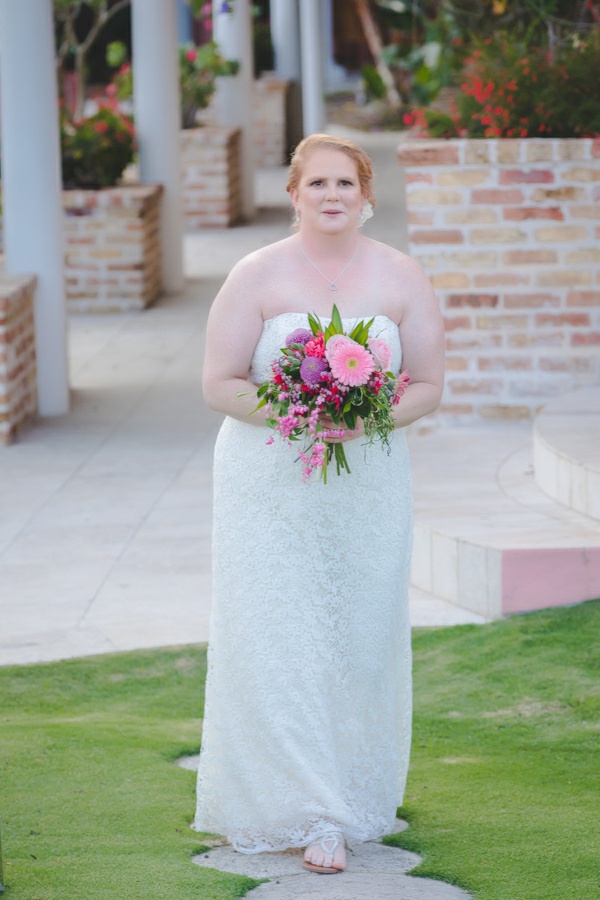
[325,373]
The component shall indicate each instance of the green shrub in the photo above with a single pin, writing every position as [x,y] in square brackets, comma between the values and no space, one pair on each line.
[512,90]
[95,151]
[373,82]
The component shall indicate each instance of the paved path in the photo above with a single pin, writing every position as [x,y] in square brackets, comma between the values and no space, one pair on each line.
[105,513]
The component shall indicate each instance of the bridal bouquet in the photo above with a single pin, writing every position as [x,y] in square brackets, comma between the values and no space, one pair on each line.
[324,373]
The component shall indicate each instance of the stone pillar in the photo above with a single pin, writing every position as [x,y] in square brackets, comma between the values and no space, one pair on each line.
[285,35]
[158,121]
[33,224]
[312,67]
[232,31]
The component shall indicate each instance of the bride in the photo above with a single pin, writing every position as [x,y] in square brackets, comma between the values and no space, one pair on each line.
[306,733]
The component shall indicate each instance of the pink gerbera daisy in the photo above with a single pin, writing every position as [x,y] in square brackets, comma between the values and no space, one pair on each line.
[351,363]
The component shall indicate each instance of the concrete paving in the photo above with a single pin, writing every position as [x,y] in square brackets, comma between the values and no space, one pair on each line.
[105,513]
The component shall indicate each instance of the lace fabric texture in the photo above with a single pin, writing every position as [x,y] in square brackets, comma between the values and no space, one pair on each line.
[308,696]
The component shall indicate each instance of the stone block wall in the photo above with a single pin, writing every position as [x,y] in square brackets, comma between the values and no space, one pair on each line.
[18,390]
[509,233]
[211,176]
[112,248]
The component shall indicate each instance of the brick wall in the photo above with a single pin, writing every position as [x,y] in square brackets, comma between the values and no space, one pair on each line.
[18,392]
[269,121]
[112,248]
[211,176]
[509,233]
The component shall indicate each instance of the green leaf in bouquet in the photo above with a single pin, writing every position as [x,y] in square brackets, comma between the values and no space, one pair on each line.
[336,320]
[350,419]
[262,403]
[315,323]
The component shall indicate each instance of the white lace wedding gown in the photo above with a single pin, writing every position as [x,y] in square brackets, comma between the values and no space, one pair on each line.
[308,696]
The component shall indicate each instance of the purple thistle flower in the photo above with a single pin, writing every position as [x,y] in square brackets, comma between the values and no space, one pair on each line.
[299,336]
[311,369]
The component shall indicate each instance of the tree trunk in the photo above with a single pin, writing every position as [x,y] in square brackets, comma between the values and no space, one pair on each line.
[79,84]
[375,45]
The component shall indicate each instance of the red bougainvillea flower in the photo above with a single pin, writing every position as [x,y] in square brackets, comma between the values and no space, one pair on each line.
[191,55]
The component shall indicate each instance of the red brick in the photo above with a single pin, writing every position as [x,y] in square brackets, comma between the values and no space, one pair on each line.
[439,153]
[496,279]
[475,300]
[587,339]
[418,217]
[476,341]
[503,323]
[520,213]
[574,319]
[583,298]
[415,177]
[565,364]
[529,257]
[489,195]
[437,236]
[451,324]
[475,386]
[456,364]
[456,409]
[503,363]
[531,176]
[501,411]
[530,300]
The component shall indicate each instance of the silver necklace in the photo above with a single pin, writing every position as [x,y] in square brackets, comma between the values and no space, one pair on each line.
[331,283]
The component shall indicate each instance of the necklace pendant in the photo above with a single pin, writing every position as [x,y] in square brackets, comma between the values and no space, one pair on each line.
[332,286]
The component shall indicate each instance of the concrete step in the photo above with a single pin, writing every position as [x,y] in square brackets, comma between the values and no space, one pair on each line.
[566,450]
[487,538]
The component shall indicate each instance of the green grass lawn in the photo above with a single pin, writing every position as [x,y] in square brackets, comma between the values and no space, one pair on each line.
[502,795]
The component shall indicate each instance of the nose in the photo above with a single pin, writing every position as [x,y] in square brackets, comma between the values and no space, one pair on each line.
[332,191]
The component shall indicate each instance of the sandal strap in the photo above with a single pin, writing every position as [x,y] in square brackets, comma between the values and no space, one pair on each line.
[333,839]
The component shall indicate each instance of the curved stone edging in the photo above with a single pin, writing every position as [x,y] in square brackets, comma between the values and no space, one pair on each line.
[375,872]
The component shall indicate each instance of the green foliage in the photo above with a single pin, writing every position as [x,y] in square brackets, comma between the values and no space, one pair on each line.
[198,68]
[373,83]
[95,151]
[512,89]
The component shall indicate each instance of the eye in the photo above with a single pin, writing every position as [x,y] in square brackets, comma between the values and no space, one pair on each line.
[345,182]
[317,181]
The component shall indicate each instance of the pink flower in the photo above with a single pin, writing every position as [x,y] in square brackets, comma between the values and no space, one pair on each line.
[316,347]
[401,385]
[381,351]
[191,55]
[334,340]
[350,363]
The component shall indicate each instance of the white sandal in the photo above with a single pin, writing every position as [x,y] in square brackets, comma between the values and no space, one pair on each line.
[328,843]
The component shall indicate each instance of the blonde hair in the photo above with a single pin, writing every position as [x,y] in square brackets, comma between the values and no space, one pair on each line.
[331,142]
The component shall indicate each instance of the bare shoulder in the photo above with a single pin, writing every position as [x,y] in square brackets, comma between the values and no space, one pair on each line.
[396,262]
[256,265]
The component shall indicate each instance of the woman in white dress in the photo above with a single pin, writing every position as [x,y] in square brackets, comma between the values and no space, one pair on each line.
[306,733]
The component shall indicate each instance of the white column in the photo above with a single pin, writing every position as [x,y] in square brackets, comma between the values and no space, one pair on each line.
[312,67]
[285,35]
[157,111]
[33,219]
[233,33]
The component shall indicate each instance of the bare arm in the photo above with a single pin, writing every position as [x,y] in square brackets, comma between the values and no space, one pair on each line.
[234,326]
[422,339]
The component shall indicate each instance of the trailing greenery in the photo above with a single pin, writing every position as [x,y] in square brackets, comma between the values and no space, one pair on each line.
[502,793]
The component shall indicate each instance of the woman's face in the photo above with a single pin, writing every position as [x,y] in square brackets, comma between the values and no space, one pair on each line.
[328,196]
